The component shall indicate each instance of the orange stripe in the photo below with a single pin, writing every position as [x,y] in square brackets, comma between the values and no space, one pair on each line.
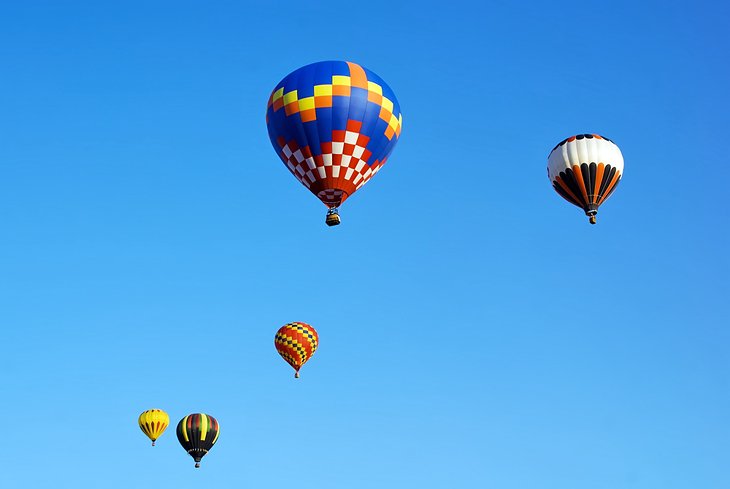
[578,175]
[610,187]
[322,101]
[308,115]
[567,189]
[599,178]
[358,78]
[341,90]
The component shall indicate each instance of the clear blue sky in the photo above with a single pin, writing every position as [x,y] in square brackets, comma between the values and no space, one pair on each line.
[476,331]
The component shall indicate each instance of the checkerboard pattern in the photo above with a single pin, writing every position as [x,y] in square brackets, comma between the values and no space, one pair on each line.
[333,124]
[341,86]
[340,170]
[296,343]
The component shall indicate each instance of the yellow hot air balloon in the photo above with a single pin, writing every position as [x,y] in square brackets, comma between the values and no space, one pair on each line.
[153,423]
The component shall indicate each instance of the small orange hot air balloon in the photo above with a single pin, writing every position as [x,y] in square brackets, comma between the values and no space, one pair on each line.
[296,343]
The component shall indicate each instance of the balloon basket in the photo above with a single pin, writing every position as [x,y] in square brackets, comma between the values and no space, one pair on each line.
[333,218]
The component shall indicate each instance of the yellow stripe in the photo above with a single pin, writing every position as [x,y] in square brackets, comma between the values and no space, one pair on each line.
[341,80]
[322,90]
[374,87]
[313,340]
[306,103]
[290,97]
[203,426]
[393,122]
[184,424]
[299,347]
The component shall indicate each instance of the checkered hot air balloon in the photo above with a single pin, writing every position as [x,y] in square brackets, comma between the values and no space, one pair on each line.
[296,343]
[585,170]
[197,433]
[153,423]
[333,124]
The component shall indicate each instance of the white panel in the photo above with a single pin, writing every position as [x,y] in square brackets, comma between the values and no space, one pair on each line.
[351,137]
[584,151]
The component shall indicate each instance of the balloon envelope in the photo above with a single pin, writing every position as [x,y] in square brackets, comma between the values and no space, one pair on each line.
[296,343]
[197,433]
[153,423]
[333,124]
[585,170]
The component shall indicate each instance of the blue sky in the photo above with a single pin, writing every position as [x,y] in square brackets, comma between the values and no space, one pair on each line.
[475,330]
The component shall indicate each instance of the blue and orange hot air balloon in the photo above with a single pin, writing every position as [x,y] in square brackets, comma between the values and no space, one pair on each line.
[333,124]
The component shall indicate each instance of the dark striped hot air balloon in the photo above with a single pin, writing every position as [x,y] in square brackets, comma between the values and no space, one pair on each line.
[153,423]
[296,343]
[334,125]
[197,433]
[585,170]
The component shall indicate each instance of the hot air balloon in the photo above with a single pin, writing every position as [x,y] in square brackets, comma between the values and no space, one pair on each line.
[296,343]
[197,433]
[585,169]
[153,423]
[333,124]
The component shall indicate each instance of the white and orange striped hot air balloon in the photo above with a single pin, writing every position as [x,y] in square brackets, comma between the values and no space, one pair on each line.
[585,170]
